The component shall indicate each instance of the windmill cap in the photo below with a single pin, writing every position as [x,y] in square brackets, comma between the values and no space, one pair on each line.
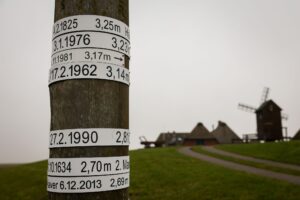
[266,103]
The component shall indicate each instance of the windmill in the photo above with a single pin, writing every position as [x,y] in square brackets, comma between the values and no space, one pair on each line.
[268,117]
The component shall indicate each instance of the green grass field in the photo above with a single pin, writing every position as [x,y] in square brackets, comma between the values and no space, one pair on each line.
[23,181]
[288,152]
[246,162]
[159,174]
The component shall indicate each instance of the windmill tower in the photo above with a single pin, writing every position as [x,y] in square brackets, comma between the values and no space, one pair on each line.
[268,118]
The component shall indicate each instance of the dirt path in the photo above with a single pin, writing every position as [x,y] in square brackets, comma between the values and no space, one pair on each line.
[280,176]
[268,162]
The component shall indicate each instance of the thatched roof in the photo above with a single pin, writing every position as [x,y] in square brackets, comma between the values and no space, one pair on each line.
[224,134]
[200,132]
[297,135]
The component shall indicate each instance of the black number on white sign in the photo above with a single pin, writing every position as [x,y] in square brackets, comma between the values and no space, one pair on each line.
[81,185]
[65,25]
[73,137]
[120,45]
[71,41]
[95,166]
[117,182]
[122,137]
[59,167]
[72,71]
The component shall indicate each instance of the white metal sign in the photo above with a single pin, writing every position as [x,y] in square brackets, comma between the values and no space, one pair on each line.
[88,166]
[89,47]
[88,55]
[84,70]
[88,183]
[90,39]
[91,23]
[89,137]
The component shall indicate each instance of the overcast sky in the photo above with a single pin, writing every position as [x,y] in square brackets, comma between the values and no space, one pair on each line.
[191,61]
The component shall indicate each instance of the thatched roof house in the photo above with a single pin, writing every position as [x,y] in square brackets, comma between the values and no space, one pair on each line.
[225,135]
[200,136]
[297,135]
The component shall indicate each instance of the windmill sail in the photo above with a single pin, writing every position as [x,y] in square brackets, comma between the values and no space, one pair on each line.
[265,95]
[246,108]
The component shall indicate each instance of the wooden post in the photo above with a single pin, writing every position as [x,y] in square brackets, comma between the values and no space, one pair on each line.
[90,103]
